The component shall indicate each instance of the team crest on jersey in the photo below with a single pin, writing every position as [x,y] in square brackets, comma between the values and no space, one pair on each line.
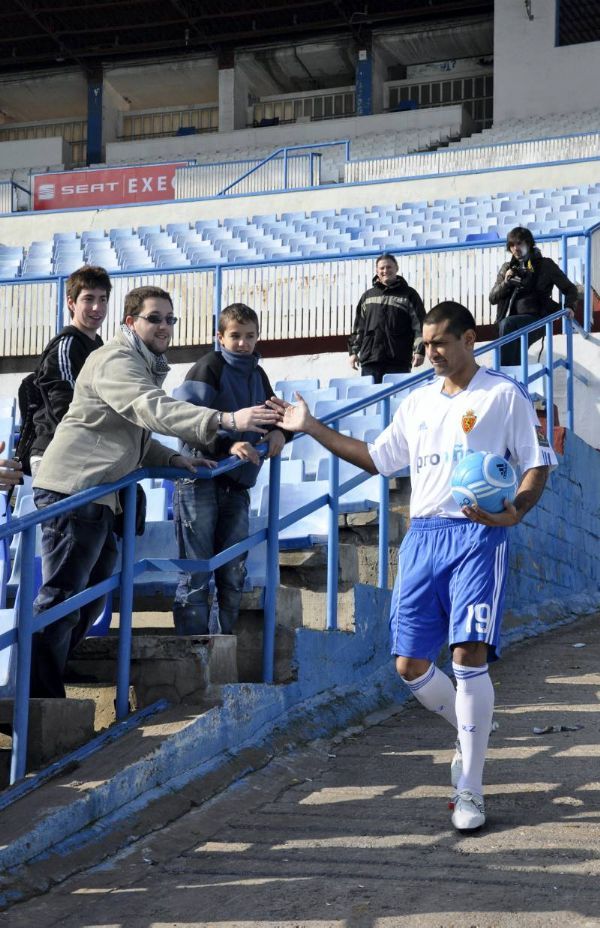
[541,436]
[468,421]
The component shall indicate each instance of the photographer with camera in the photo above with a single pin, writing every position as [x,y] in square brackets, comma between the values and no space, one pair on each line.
[523,291]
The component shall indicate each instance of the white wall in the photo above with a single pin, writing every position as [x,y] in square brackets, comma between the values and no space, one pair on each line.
[35,153]
[531,76]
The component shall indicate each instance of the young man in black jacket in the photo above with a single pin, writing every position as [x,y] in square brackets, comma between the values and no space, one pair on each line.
[523,291]
[88,290]
[386,338]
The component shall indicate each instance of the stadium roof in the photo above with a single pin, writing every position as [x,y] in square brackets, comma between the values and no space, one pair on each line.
[46,34]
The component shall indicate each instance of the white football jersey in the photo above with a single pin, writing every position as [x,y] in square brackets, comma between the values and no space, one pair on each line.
[431,432]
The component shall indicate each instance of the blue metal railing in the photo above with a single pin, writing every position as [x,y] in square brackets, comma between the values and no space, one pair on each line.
[27,623]
[285,151]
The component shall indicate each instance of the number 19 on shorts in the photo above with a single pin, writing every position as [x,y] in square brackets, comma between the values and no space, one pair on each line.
[478,617]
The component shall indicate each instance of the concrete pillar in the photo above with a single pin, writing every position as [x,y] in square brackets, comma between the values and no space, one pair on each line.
[364,83]
[113,106]
[233,97]
[379,70]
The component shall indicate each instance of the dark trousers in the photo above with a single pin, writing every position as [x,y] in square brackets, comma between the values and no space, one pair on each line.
[511,354]
[378,370]
[78,550]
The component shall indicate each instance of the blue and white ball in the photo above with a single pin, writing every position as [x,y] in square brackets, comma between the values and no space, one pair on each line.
[484,479]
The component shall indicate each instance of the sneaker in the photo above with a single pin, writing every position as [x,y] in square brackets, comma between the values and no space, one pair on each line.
[456,766]
[469,811]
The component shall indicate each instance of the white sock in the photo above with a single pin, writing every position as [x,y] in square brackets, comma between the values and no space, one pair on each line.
[435,691]
[474,712]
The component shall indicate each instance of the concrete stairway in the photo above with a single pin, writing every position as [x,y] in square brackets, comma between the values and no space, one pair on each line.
[190,672]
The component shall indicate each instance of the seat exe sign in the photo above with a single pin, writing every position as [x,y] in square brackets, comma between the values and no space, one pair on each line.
[141,183]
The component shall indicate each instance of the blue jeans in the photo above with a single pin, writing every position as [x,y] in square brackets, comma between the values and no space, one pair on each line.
[78,550]
[210,515]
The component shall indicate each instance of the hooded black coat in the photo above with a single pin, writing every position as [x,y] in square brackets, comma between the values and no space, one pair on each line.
[388,325]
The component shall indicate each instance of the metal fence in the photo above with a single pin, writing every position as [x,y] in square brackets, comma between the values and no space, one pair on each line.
[209,180]
[476,158]
[6,195]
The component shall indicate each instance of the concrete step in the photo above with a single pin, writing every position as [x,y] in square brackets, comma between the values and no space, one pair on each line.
[185,670]
[56,727]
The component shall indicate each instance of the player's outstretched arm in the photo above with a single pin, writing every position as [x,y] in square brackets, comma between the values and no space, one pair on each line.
[529,491]
[297,418]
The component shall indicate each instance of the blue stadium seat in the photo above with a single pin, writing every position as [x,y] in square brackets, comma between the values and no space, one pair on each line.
[288,387]
[342,383]
[312,397]
[310,530]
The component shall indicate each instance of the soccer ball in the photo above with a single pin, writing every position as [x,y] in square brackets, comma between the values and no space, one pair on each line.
[483,478]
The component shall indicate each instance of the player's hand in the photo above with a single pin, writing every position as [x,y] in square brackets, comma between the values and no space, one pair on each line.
[245,451]
[509,517]
[353,361]
[185,462]
[297,417]
[417,359]
[510,273]
[255,418]
[276,442]
[10,471]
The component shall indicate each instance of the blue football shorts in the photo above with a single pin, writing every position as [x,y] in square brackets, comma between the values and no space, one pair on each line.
[449,588]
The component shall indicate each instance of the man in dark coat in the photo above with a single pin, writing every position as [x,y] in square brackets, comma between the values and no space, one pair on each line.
[523,291]
[386,338]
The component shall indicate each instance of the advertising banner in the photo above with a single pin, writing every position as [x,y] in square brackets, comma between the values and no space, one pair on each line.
[141,183]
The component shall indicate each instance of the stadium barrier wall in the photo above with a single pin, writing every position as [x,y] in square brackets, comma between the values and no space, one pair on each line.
[476,158]
[27,623]
[309,298]
[209,180]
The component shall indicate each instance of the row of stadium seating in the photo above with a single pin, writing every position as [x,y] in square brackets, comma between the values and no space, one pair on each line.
[533,127]
[475,158]
[328,233]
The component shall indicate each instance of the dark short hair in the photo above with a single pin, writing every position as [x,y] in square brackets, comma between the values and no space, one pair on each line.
[386,256]
[459,318]
[237,312]
[87,277]
[134,300]
[519,234]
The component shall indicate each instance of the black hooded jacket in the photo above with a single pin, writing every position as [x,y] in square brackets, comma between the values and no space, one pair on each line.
[388,324]
[533,296]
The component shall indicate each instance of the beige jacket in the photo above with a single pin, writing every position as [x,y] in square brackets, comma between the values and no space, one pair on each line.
[118,402]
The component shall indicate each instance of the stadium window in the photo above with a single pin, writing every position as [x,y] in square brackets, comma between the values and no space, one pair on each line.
[457,93]
[338,105]
[446,92]
[349,103]
[404,94]
[327,107]
[317,108]
[425,89]
[435,93]
[467,89]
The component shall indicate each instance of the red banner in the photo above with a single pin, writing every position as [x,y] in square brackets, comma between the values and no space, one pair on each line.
[143,183]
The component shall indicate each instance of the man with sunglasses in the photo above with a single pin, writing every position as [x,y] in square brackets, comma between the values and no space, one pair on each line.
[106,434]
